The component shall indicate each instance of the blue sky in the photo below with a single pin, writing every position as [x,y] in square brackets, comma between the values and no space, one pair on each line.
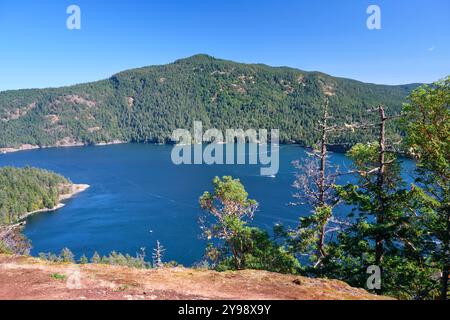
[37,50]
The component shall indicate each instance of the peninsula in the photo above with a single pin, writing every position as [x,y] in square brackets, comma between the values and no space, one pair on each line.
[27,191]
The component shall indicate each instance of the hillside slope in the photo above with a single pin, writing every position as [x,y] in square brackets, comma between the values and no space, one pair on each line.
[147,104]
[29,278]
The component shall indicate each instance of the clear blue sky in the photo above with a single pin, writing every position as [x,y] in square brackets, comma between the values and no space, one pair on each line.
[37,50]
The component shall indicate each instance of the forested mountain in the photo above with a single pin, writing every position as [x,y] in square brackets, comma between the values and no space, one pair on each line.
[147,104]
[26,190]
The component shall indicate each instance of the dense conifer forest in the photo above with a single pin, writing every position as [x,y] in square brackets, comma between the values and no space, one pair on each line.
[147,104]
[26,190]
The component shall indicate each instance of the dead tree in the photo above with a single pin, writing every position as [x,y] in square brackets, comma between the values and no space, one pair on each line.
[13,241]
[381,177]
[158,253]
[315,183]
[379,241]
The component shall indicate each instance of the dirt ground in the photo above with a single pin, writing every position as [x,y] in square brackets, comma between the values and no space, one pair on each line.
[24,278]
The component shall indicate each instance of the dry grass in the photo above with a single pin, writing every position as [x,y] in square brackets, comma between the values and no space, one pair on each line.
[30,278]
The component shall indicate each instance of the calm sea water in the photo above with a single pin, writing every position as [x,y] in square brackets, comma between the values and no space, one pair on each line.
[138,196]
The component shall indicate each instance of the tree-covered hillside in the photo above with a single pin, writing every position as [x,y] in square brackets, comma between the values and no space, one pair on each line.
[27,190]
[147,104]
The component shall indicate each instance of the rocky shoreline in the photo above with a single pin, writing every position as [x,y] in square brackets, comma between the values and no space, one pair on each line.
[342,148]
[27,147]
[74,190]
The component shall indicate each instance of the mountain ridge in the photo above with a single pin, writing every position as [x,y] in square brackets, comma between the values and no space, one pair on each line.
[406,85]
[146,104]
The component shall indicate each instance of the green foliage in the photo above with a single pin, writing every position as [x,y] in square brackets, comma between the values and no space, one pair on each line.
[238,246]
[114,258]
[262,253]
[403,275]
[365,159]
[410,224]
[427,122]
[58,276]
[84,259]
[96,259]
[231,193]
[305,240]
[118,259]
[49,257]
[27,190]
[386,230]
[147,104]
[67,256]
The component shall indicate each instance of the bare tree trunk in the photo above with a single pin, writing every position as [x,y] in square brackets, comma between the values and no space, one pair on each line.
[379,239]
[323,155]
[237,256]
[158,255]
[322,181]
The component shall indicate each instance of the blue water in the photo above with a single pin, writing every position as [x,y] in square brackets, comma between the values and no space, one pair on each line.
[138,196]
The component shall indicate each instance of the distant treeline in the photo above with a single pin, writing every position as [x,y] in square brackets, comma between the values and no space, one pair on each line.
[27,190]
[147,104]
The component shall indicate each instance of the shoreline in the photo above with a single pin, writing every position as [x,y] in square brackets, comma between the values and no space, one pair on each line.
[343,148]
[75,190]
[29,147]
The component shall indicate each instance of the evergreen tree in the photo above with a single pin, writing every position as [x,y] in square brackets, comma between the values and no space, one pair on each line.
[24,190]
[427,122]
[315,184]
[235,245]
[84,260]
[67,256]
[96,259]
[385,231]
